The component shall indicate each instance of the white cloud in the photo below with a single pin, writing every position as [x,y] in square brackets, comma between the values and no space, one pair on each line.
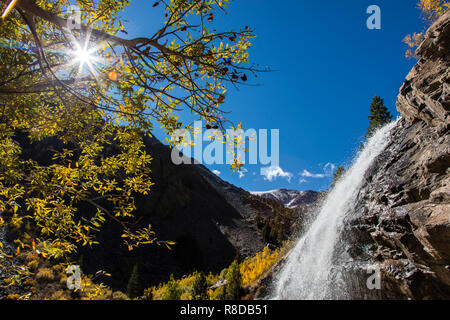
[328,171]
[302,181]
[216,172]
[242,173]
[273,172]
[308,174]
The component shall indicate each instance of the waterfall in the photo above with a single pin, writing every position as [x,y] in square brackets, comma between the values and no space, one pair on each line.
[310,270]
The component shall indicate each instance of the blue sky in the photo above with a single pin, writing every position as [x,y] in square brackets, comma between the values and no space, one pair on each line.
[329,67]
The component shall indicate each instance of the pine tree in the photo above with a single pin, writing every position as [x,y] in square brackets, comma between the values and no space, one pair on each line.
[379,116]
[338,175]
[200,287]
[266,232]
[233,277]
[273,235]
[133,283]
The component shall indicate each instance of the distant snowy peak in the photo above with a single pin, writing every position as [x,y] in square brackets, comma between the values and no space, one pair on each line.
[284,196]
[289,198]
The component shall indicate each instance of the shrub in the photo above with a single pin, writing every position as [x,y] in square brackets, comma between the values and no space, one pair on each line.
[118,295]
[252,268]
[173,290]
[45,275]
[217,294]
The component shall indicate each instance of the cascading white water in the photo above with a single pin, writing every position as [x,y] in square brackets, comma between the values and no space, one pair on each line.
[307,272]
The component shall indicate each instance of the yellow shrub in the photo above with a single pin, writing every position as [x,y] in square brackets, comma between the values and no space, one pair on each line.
[186,296]
[217,294]
[432,9]
[212,278]
[156,292]
[252,268]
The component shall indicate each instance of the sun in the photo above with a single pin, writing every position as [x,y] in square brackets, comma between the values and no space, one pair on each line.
[84,57]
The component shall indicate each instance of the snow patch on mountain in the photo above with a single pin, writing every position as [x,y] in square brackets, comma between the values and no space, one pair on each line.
[289,198]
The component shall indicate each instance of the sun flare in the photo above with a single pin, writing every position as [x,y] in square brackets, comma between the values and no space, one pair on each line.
[82,56]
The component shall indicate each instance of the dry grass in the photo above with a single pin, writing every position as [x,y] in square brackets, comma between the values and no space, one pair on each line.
[45,275]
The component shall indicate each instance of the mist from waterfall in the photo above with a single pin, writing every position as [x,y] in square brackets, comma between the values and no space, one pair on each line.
[307,273]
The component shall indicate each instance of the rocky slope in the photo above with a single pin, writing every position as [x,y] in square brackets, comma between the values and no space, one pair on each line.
[262,208]
[402,215]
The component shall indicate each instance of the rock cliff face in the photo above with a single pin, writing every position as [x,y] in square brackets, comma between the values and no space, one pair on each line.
[425,95]
[402,216]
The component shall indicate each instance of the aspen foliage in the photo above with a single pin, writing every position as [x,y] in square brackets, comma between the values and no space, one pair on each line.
[253,268]
[73,126]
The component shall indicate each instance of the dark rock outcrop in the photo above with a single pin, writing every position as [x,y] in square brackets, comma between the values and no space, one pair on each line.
[259,210]
[402,214]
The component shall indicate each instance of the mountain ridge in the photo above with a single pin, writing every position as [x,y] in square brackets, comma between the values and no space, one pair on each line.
[290,198]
